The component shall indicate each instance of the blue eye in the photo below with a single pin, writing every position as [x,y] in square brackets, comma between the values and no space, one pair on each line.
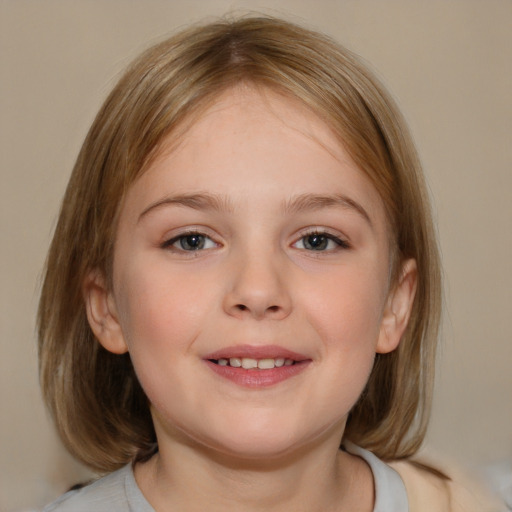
[320,242]
[190,242]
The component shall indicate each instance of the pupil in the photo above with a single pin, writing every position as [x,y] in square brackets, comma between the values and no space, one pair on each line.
[316,242]
[192,242]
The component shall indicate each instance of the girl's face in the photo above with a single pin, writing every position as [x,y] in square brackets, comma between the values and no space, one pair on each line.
[253,241]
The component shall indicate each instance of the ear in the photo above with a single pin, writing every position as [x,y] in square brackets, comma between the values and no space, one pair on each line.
[102,313]
[398,308]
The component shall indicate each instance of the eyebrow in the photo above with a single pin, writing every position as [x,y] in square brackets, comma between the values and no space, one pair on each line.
[199,201]
[303,202]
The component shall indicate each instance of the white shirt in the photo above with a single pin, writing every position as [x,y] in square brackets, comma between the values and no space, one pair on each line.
[119,492]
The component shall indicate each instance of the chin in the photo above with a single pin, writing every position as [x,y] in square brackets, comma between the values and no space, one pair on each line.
[262,446]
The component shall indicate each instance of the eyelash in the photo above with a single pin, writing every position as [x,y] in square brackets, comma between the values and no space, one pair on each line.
[325,237]
[170,244]
[323,240]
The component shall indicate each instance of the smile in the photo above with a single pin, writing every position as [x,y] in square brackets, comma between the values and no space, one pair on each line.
[257,366]
[248,363]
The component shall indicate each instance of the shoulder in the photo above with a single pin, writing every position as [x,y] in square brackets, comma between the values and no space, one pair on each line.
[428,491]
[116,492]
[390,492]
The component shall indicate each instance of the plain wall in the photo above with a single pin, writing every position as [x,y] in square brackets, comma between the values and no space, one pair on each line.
[449,65]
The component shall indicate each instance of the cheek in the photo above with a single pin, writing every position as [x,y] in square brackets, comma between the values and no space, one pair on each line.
[161,316]
[347,319]
[346,309]
[160,311]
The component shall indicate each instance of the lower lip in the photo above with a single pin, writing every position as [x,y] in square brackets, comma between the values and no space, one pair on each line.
[258,378]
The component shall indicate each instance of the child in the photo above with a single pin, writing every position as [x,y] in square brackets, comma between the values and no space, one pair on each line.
[242,296]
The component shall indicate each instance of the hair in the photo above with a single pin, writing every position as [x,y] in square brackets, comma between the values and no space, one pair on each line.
[98,405]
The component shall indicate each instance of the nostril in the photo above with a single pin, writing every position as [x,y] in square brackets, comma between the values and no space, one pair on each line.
[270,309]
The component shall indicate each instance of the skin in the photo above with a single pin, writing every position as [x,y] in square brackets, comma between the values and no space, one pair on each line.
[259,279]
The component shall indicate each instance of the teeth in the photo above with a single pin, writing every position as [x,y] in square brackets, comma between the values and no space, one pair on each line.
[266,364]
[248,363]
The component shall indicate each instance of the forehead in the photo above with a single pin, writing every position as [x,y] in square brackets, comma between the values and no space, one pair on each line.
[251,134]
[244,112]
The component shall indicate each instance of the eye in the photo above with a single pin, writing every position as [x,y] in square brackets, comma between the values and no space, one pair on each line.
[190,242]
[318,241]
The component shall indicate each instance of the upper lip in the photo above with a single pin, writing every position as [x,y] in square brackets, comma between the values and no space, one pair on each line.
[256,352]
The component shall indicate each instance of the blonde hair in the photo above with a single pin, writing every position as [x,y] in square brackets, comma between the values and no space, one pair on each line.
[100,409]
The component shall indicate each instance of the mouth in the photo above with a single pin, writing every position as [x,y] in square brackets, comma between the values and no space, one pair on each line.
[249,363]
[257,367]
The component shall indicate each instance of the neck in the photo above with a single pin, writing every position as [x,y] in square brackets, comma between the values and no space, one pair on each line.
[317,478]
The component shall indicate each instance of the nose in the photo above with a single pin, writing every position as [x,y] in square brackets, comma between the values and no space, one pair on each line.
[258,289]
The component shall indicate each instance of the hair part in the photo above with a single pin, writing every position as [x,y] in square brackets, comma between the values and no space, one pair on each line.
[98,405]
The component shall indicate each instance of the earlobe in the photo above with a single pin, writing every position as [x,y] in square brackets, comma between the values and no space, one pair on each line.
[398,308]
[102,314]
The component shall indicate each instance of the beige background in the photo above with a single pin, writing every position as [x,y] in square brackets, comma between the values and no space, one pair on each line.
[449,65]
